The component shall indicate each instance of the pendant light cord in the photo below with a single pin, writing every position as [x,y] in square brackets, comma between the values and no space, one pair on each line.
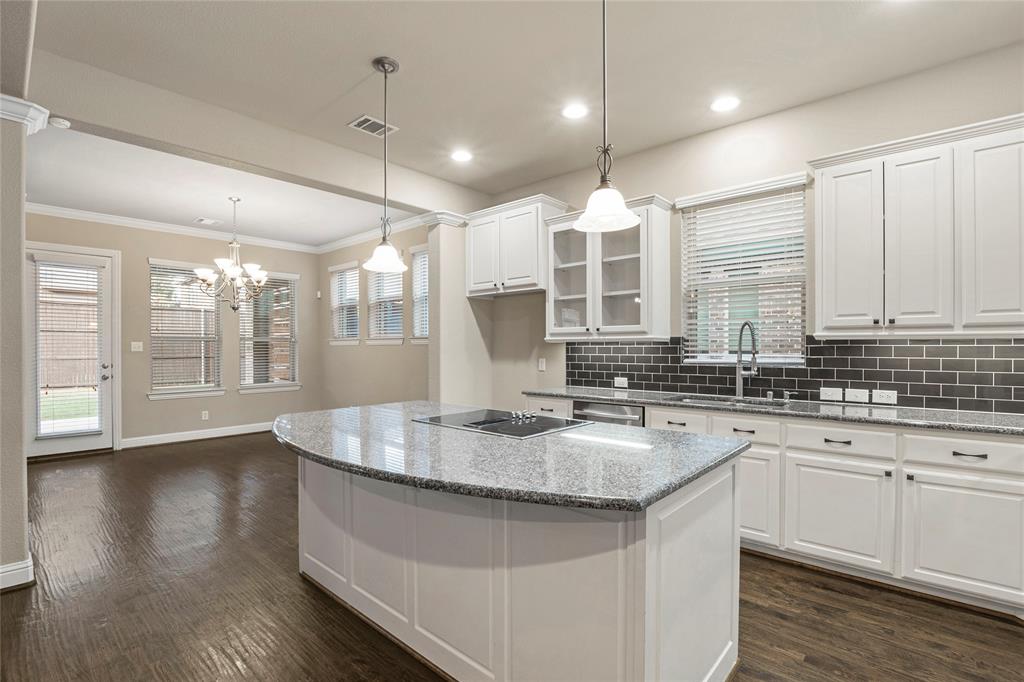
[386,225]
[604,151]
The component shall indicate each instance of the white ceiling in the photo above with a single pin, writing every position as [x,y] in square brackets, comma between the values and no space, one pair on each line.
[74,170]
[493,76]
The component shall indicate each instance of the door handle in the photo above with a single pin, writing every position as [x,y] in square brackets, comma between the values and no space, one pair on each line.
[105,366]
[104,377]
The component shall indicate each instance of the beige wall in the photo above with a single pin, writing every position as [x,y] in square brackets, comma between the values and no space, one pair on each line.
[13,510]
[143,417]
[518,328]
[366,374]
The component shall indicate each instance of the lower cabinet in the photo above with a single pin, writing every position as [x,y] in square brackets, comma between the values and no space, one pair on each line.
[842,509]
[964,532]
[759,495]
[550,407]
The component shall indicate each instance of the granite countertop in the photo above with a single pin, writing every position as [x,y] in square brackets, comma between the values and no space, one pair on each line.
[947,420]
[599,466]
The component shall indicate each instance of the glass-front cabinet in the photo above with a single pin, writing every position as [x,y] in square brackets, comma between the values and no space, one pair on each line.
[611,285]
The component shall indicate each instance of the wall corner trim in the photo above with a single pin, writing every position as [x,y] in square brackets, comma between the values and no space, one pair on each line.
[16,573]
[29,114]
[781,182]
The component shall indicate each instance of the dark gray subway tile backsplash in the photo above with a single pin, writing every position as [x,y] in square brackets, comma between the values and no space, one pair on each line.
[967,374]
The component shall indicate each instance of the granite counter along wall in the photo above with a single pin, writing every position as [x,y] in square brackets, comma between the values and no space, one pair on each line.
[967,374]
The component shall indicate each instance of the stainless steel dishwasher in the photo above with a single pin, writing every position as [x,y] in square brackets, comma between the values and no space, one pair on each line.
[627,415]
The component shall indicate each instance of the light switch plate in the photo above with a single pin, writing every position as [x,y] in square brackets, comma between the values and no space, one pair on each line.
[621,382]
[831,394]
[542,364]
[884,397]
[136,346]
[857,395]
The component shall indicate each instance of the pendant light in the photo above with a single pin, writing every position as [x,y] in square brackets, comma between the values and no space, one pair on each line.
[606,209]
[236,282]
[385,256]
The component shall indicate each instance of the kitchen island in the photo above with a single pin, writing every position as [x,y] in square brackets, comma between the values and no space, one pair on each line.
[600,552]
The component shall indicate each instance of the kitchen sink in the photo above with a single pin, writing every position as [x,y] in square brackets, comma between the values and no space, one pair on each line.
[726,401]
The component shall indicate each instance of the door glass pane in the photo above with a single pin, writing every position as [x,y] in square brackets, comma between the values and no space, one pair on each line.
[620,277]
[569,279]
[67,349]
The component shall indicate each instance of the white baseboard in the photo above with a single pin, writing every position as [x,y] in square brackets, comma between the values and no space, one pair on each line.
[180,436]
[18,573]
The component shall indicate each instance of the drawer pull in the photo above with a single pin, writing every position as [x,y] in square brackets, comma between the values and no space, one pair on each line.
[888,474]
[547,409]
[910,477]
[750,431]
[669,421]
[967,454]
[838,442]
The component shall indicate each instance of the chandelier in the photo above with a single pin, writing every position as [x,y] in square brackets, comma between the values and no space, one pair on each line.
[236,282]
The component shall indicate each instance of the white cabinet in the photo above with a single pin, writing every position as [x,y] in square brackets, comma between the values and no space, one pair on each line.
[965,532]
[841,508]
[550,407]
[923,236]
[759,495]
[612,285]
[990,193]
[507,247]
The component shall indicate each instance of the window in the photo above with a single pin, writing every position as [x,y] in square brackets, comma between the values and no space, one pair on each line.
[743,259]
[345,302]
[420,293]
[267,335]
[384,296]
[184,330]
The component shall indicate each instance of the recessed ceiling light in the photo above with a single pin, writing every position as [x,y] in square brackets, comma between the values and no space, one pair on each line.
[207,221]
[461,155]
[575,110]
[58,122]
[726,103]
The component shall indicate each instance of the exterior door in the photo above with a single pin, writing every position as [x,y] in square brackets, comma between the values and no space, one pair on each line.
[69,406]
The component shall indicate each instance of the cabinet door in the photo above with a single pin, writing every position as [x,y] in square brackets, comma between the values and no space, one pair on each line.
[990,197]
[759,495]
[964,532]
[841,509]
[482,255]
[518,247]
[850,236]
[568,296]
[549,407]
[919,282]
[620,274]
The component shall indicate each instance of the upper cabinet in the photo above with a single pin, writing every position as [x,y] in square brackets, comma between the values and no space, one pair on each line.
[611,285]
[924,236]
[507,248]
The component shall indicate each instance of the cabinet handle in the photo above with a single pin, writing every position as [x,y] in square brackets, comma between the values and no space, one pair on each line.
[751,431]
[892,320]
[875,321]
[838,442]
[598,328]
[588,329]
[910,477]
[669,421]
[547,409]
[888,474]
[967,454]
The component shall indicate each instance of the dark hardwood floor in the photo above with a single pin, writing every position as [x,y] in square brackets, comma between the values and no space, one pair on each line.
[179,562]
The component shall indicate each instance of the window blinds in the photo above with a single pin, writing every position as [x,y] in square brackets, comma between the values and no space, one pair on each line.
[345,303]
[68,341]
[267,336]
[184,329]
[420,294]
[744,260]
[385,303]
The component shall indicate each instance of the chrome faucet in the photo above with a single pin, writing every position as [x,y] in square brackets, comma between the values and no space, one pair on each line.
[740,372]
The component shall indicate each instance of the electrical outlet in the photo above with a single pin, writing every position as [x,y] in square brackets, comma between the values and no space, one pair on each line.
[884,397]
[831,394]
[542,364]
[136,346]
[621,382]
[857,395]
[204,415]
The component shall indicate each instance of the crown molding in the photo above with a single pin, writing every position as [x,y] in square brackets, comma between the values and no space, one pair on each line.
[30,115]
[655,200]
[544,199]
[1012,122]
[411,223]
[738,191]
[153,226]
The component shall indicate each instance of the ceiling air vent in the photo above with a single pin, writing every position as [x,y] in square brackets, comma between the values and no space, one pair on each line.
[207,221]
[371,126]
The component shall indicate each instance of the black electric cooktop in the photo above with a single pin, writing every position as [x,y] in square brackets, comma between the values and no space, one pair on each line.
[518,425]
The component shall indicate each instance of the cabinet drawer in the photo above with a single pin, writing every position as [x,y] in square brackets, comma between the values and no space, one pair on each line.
[552,407]
[834,439]
[738,426]
[965,453]
[676,420]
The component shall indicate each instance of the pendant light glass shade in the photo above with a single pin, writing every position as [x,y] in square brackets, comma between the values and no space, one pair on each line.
[606,212]
[385,258]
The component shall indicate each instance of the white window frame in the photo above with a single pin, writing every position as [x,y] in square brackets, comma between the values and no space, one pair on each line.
[774,187]
[338,270]
[276,386]
[416,252]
